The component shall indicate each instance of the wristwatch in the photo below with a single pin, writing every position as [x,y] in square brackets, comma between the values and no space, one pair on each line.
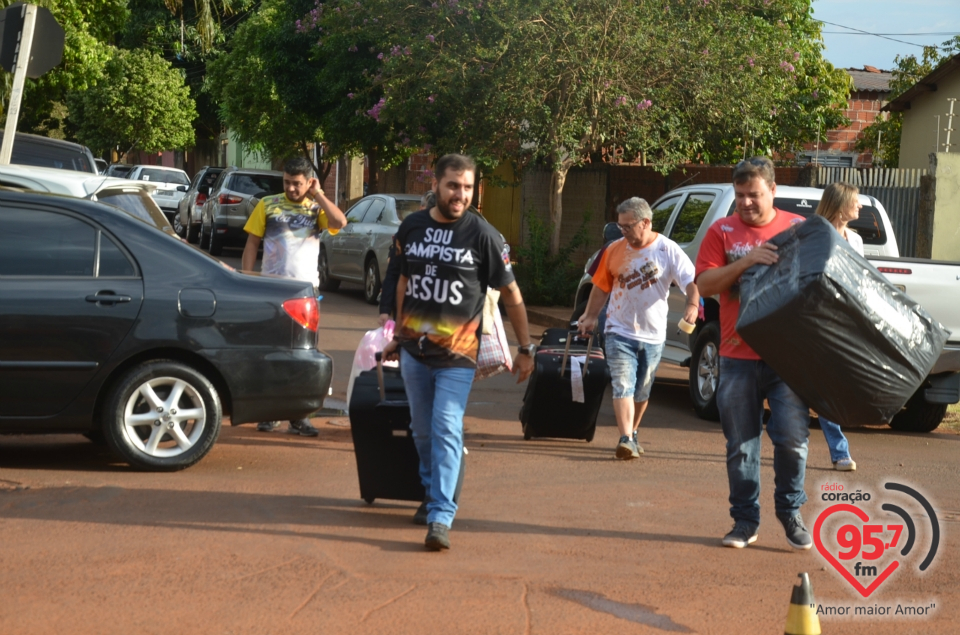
[528,350]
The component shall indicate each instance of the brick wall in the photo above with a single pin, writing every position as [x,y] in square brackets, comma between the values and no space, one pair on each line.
[862,109]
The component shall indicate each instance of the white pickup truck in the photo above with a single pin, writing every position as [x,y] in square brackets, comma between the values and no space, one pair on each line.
[684,214]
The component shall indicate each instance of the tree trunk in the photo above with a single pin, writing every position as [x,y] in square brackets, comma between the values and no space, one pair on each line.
[557,179]
[373,171]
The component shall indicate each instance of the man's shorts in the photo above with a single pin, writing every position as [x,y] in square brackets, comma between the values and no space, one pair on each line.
[633,365]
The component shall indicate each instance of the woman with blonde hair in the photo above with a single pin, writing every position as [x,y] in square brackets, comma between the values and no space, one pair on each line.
[840,204]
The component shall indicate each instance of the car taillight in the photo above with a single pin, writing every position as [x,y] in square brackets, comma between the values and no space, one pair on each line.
[229,199]
[894,270]
[201,199]
[304,311]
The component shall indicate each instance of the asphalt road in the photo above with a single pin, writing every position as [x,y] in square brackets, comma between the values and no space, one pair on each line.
[268,533]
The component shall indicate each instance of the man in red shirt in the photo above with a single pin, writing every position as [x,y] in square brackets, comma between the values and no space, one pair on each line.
[733,245]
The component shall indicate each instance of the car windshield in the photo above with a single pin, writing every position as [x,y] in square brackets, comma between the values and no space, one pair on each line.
[164,176]
[407,206]
[138,204]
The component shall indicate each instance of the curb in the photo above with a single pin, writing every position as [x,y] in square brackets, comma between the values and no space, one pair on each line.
[542,318]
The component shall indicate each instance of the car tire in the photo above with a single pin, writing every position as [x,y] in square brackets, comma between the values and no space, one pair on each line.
[204,236]
[705,371]
[326,283]
[371,281]
[178,226]
[918,415]
[162,440]
[193,232]
[216,243]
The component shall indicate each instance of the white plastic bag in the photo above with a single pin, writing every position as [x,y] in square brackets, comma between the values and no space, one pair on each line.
[373,342]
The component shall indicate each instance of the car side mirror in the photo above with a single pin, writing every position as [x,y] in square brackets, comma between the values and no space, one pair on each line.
[181,188]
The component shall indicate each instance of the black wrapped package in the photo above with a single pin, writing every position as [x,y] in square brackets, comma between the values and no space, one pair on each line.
[852,345]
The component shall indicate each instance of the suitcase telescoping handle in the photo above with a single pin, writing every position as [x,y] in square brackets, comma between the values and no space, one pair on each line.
[383,391]
[566,351]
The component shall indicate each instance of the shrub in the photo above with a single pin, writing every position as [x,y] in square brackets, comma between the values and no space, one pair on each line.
[547,280]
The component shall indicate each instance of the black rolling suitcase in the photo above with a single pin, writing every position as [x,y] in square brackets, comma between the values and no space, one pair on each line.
[388,465]
[548,406]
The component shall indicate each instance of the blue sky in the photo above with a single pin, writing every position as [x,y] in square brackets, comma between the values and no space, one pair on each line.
[883,16]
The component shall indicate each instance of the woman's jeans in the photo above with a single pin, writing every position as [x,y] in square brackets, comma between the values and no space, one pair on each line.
[744,384]
[839,448]
[438,398]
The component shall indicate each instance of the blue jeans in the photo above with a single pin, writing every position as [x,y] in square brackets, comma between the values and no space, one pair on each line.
[839,448]
[744,384]
[633,366]
[438,398]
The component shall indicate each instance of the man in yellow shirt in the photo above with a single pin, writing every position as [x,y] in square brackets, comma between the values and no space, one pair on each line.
[289,225]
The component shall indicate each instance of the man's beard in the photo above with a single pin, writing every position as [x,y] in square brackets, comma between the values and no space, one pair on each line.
[444,208]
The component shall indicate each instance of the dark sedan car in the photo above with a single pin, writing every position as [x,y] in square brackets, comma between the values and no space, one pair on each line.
[112,328]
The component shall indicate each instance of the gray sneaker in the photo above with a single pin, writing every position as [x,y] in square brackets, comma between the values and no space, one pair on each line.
[420,516]
[268,426]
[438,537]
[637,443]
[627,449]
[796,531]
[303,428]
[742,534]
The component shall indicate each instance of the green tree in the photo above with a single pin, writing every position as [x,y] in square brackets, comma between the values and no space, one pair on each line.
[188,35]
[139,102]
[245,88]
[89,27]
[562,82]
[888,126]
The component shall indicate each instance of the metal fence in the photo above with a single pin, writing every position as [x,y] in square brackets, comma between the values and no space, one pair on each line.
[897,190]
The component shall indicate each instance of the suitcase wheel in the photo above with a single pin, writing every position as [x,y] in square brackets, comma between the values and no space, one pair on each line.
[590,436]
[369,501]
[526,437]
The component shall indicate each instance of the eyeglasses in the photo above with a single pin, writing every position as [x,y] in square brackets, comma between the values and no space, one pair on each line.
[626,228]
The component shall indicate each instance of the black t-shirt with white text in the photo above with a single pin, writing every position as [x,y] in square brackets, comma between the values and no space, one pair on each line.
[448,267]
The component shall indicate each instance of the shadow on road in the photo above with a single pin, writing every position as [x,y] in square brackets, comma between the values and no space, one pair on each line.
[272,515]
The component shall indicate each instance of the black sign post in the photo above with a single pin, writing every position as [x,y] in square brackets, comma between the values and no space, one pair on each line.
[20,26]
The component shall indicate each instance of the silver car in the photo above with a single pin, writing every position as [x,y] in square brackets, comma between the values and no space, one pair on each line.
[171,185]
[358,252]
[230,203]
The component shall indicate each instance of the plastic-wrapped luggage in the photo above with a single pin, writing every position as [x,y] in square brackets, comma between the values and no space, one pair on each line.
[388,465]
[549,406]
[848,342]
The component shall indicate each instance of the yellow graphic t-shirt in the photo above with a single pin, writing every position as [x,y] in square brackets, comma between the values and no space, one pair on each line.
[291,236]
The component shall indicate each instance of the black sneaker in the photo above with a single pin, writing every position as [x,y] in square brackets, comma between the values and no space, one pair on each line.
[437,537]
[268,426]
[420,516]
[742,534]
[303,428]
[796,531]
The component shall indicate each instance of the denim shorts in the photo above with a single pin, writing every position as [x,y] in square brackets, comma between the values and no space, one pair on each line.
[633,365]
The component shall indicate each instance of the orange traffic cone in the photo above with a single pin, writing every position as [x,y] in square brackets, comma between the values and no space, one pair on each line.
[802,616]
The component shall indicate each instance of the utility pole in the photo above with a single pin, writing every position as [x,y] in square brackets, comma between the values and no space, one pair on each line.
[22,57]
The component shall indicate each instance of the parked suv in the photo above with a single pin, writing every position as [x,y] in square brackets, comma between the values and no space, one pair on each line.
[187,220]
[171,185]
[229,204]
[31,149]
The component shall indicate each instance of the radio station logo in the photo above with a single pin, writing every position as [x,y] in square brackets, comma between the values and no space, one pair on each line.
[868,548]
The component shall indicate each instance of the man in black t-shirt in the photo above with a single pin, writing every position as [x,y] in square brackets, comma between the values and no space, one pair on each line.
[448,258]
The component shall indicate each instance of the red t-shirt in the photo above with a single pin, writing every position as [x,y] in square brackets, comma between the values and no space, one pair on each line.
[728,240]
